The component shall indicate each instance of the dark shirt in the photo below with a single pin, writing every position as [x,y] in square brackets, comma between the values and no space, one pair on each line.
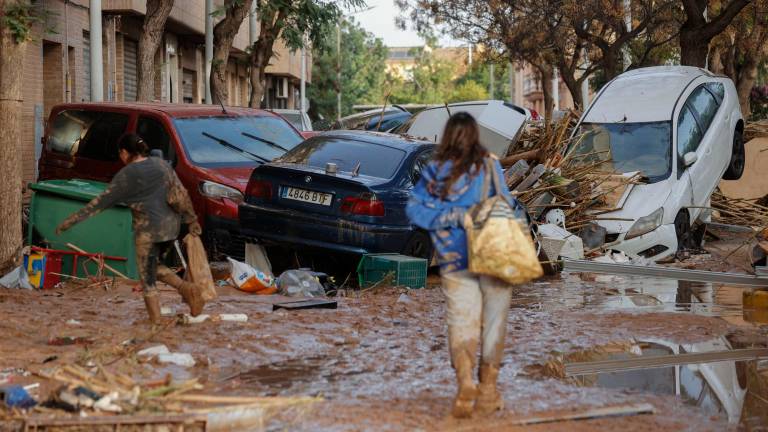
[153,192]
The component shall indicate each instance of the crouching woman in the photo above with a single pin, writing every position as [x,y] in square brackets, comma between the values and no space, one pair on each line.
[477,305]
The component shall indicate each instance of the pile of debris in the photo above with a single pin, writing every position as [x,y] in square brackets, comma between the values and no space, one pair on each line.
[755,130]
[560,189]
[740,211]
[95,395]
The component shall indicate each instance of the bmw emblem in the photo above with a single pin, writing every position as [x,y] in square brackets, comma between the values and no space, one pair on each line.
[307,179]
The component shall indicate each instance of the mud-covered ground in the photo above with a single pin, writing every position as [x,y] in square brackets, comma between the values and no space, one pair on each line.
[380,361]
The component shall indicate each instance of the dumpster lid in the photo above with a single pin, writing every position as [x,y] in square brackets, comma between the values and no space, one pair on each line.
[80,189]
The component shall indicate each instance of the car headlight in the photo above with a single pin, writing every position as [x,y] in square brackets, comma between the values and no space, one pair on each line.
[645,224]
[216,190]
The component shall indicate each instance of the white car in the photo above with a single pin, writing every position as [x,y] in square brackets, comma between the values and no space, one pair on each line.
[500,122]
[300,120]
[681,129]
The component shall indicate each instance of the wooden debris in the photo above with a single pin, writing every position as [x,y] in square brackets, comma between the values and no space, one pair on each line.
[739,211]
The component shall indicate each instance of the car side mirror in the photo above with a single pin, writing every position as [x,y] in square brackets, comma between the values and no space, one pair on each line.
[689,159]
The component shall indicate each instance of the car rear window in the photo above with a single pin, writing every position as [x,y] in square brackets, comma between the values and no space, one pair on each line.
[89,134]
[375,160]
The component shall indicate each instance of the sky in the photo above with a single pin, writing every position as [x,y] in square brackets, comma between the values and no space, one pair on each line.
[380,20]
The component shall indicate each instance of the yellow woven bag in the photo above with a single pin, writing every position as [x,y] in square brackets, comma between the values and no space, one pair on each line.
[499,244]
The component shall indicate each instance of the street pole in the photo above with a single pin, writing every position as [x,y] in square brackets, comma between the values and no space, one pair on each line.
[97,65]
[208,49]
[511,83]
[253,24]
[555,89]
[338,70]
[491,81]
[585,85]
[303,89]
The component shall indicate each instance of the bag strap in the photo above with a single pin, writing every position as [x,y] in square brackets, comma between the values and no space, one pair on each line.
[486,181]
[495,177]
[497,184]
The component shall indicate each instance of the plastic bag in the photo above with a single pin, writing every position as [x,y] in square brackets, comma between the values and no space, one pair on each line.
[248,279]
[300,283]
[199,271]
[17,278]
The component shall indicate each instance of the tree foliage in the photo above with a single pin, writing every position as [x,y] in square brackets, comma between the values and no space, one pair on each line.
[297,23]
[428,81]
[363,58]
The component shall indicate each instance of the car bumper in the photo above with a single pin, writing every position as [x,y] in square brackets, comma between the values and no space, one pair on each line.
[223,236]
[655,245]
[300,230]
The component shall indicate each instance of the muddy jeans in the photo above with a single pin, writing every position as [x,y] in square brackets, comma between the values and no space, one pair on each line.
[477,309]
[150,258]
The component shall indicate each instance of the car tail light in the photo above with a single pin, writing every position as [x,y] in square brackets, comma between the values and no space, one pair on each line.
[363,205]
[259,189]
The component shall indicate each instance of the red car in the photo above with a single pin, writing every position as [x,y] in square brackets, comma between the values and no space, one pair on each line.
[212,149]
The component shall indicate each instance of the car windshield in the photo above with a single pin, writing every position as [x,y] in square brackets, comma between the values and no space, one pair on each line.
[375,160]
[625,148]
[221,141]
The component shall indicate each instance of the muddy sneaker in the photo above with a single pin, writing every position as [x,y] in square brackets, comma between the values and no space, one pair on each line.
[191,294]
[489,399]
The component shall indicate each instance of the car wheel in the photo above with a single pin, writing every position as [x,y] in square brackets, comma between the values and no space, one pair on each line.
[683,230]
[738,157]
[419,245]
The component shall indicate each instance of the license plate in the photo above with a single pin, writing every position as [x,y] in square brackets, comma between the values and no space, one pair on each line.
[307,196]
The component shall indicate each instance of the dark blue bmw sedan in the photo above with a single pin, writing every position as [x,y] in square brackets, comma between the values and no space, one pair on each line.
[343,191]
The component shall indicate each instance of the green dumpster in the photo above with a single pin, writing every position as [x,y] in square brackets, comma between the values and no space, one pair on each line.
[109,232]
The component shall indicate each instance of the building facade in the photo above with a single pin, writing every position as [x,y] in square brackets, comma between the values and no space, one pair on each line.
[528,93]
[57,63]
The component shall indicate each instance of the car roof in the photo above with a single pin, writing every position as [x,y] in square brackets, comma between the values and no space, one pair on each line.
[169,109]
[386,139]
[643,95]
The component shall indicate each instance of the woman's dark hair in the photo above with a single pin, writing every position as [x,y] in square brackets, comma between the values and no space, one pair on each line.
[134,145]
[461,146]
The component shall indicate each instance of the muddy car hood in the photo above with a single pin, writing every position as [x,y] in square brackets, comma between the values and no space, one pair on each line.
[638,200]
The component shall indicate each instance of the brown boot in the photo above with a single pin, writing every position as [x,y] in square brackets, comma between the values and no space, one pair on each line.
[152,301]
[489,399]
[190,293]
[463,362]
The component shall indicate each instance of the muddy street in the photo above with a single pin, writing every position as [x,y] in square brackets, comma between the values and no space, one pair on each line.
[380,360]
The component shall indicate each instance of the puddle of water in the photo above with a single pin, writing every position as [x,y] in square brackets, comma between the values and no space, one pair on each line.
[306,375]
[736,391]
[738,305]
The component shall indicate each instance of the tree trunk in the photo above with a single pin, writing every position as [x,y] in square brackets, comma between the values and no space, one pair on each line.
[11,79]
[547,73]
[694,47]
[149,42]
[260,56]
[223,34]
[261,53]
[744,83]
[574,87]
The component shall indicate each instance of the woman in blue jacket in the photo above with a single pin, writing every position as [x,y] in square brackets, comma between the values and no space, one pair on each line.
[477,305]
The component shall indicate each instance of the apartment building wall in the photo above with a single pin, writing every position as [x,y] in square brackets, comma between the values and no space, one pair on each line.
[57,63]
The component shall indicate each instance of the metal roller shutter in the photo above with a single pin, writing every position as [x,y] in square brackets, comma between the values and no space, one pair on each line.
[130,69]
[188,86]
[86,67]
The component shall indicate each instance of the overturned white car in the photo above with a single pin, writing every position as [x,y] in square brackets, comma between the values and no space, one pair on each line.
[681,129]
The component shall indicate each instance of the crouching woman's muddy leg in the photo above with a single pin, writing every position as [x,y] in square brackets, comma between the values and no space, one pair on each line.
[496,298]
[463,314]
[146,259]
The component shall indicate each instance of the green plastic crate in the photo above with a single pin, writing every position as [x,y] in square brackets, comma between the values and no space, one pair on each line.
[408,271]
